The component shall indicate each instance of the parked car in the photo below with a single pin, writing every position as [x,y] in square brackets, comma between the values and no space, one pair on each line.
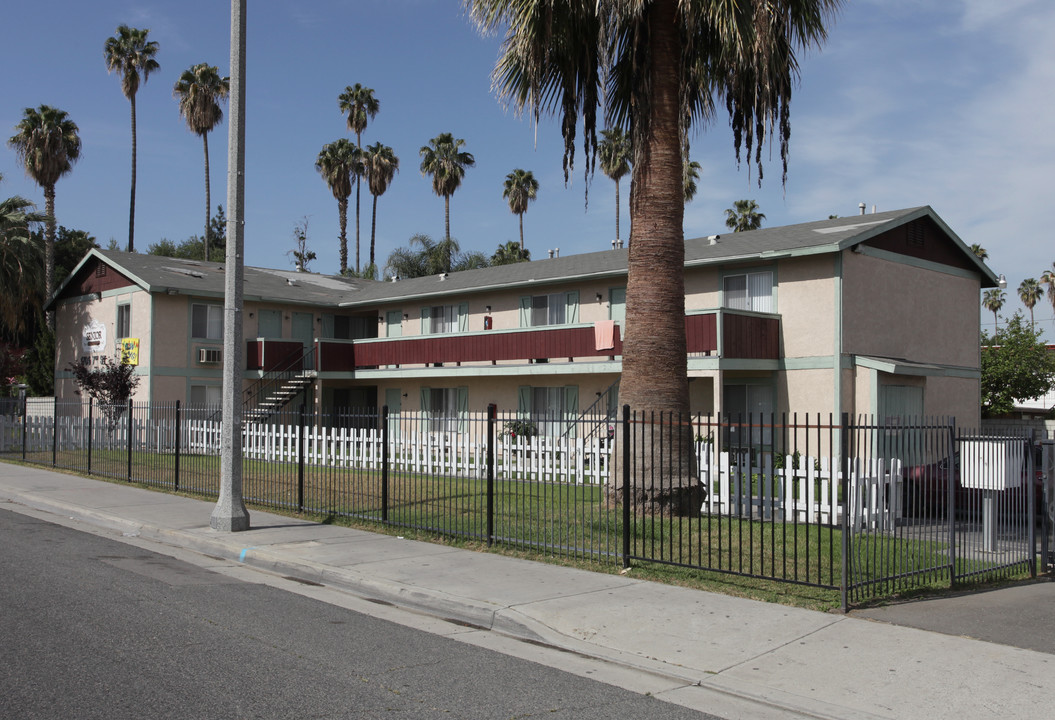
[925,489]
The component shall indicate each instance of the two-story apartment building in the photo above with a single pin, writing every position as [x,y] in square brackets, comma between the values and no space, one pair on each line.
[874,314]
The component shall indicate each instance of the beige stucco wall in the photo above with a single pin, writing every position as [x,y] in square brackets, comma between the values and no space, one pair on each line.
[897,310]
[806,303]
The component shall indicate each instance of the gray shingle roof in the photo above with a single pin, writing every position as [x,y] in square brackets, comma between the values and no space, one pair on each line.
[159,274]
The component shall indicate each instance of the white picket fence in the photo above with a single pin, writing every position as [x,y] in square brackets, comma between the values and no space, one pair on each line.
[804,490]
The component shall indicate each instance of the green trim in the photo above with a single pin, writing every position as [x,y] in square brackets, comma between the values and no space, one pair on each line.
[916,262]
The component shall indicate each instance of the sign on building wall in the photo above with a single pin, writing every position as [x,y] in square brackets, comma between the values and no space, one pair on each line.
[93,338]
[130,351]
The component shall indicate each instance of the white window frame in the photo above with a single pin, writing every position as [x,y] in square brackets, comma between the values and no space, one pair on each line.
[756,293]
[123,324]
[213,321]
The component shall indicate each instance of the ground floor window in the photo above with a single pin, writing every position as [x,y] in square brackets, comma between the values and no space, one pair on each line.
[446,409]
[206,394]
[552,410]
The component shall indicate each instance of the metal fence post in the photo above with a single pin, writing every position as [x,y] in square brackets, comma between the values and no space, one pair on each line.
[953,481]
[303,431]
[55,434]
[491,411]
[90,409]
[384,464]
[1031,504]
[25,424]
[844,580]
[130,423]
[626,487]
[175,466]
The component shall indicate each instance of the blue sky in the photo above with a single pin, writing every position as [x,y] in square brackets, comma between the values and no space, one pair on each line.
[945,103]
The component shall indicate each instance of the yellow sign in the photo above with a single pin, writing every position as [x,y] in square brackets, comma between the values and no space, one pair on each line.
[130,351]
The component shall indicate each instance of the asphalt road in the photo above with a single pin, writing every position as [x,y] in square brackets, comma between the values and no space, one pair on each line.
[95,628]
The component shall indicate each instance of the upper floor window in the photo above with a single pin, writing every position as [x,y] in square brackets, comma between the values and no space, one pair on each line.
[124,321]
[444,319]
[207,322]
[750,291]
[551,309]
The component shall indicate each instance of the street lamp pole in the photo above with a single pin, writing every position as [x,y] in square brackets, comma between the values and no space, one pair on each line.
[230,513]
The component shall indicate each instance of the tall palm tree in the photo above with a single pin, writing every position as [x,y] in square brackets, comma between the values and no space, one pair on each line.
[47,144]
[445,161]
[129,53]
[360,105]
[338,162]
[691,175]
[743,216]
[658,66]
[200,90]
[979,252]
[520,188]
[380,165]
[615,155]
[992,301]
[1048,279]
[21,261]
[1030,292]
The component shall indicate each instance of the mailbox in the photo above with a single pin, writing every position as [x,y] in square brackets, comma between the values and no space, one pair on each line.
[992,463]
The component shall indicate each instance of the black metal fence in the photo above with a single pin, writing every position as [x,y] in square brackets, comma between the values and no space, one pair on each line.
[871,509]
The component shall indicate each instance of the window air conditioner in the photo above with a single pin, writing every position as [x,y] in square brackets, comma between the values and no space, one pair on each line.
[210,355]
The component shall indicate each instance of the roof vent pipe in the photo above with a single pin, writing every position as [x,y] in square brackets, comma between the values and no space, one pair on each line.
[550,254]
[556,253]
[713,239]
[873,209]
[862,207]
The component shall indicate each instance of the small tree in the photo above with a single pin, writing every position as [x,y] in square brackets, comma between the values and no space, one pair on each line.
[301,255]
[1016,365]
[111,386]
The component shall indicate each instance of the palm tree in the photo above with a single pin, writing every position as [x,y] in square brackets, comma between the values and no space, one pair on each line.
[337,163]
[47,144]
[658,66]
[445,161]
[380,165]
[1030,293]
[132,55]
[743,216]
[979,252]
[510,253]
[432,258]
[21,261]
[992,301]
[615,155]
[691,175]
[200,91]
[1048,279]
[360,105]
[520,188]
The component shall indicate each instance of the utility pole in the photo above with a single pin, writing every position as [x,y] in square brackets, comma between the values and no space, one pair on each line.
[230,513]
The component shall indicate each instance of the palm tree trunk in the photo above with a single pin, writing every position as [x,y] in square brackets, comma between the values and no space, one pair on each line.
[521,216]
[132,199]
[617,211]
[342,209]
[208,197]
[447,217]
[358,189]
[654,380]
[373,229]
[49,248]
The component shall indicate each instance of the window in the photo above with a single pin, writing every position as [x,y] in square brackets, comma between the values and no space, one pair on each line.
[553,410]
[207,322]
[124,321]
[206,395]
[748,410]
[444,319]
[750,291]
[446,408]
[551,309]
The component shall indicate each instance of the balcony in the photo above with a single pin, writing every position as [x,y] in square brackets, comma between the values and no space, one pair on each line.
[743,336]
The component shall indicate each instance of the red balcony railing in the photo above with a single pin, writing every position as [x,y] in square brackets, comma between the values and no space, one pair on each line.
[743,336]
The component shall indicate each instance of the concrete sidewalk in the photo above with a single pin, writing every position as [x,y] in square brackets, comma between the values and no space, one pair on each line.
[727,655]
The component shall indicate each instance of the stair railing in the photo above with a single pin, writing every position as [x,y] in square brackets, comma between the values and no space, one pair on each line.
[294,365]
